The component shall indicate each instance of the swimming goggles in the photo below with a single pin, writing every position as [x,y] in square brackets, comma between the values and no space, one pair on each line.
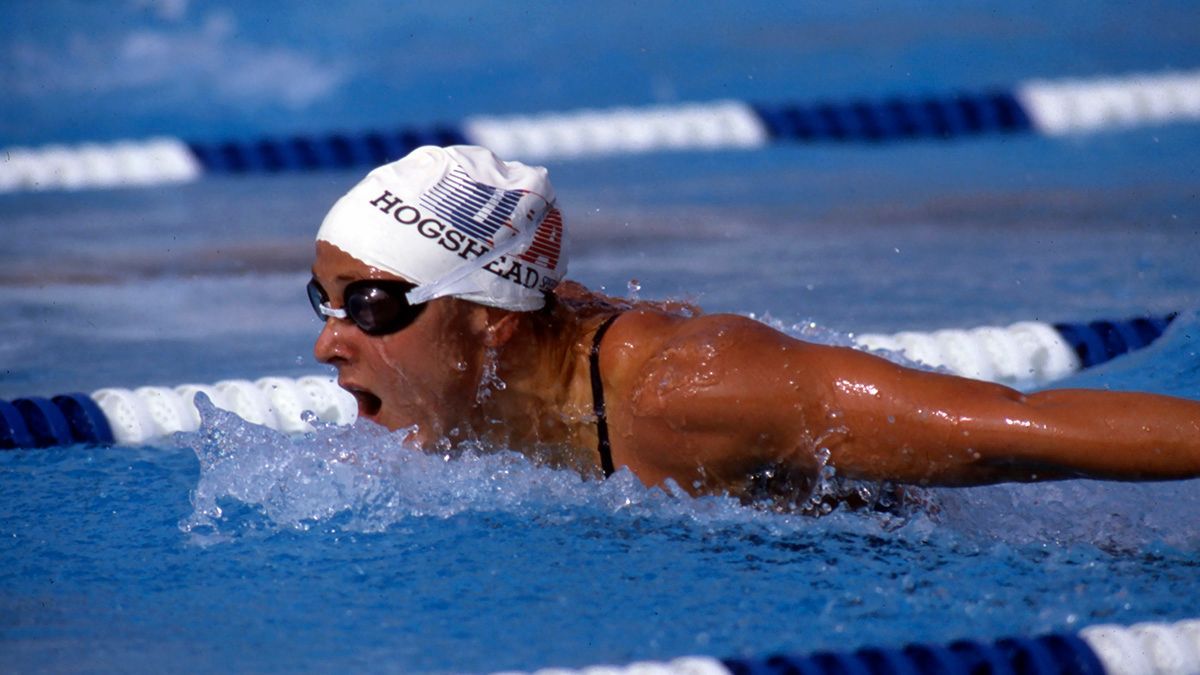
[377,307]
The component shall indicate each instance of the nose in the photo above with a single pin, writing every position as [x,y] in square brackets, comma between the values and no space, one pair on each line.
[334,341]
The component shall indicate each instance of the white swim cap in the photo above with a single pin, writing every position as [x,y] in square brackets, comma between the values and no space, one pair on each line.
[456,221]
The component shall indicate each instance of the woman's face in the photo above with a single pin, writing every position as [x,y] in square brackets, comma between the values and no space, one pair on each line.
[426,374]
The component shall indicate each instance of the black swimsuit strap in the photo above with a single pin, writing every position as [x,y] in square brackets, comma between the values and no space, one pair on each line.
[606,460]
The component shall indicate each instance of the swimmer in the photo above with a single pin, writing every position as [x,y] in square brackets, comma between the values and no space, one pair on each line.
[440,281]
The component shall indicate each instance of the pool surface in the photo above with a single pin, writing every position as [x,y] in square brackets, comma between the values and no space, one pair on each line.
[241,548]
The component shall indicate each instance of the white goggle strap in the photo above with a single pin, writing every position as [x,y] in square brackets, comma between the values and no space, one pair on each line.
[326,310]
[510,240]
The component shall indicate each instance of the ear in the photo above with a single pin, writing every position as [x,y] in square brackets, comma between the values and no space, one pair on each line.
[502,325]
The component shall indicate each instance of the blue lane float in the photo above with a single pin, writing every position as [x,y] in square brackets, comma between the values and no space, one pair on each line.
[896,119]
[36,422]
[1141,649]
[311,153]
[1048,108]
[46,422]
[14,431]
[86,420]
[1054,654]
[1024,353]
[1100,341]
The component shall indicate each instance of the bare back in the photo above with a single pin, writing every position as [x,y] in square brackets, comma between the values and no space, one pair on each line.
[709,400]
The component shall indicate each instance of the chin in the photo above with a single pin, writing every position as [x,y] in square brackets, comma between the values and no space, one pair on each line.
[424,435]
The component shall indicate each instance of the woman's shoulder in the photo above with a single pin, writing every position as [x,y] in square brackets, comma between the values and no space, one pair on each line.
[709,333]
[717,391]
[648,345]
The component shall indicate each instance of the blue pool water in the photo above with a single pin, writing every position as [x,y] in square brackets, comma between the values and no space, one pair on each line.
[240,548]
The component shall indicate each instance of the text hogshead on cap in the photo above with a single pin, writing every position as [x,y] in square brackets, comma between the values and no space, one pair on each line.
[456,221]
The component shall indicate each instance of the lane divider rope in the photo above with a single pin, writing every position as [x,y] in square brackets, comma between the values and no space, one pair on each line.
[1147,648]
[1047,107]
[1025,352]
[94,165]
[1141,649]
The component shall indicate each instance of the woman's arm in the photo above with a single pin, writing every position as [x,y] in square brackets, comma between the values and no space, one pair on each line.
[731,394]
[929,428]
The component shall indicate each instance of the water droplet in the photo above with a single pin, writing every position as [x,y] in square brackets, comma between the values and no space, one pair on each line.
[634,287]
[489,379]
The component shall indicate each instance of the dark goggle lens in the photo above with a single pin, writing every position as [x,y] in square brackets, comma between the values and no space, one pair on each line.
[316,297]
[376,307]
[378,311]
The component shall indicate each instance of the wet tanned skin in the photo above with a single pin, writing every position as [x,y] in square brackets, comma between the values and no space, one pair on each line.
[430,373]
[410,377]
[709,400]
[729,394]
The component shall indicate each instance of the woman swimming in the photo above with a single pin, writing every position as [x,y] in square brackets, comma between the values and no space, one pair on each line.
[443,274]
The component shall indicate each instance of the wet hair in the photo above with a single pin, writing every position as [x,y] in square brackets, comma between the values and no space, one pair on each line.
[584,303]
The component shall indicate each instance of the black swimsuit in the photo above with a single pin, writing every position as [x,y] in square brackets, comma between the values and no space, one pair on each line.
[605,449]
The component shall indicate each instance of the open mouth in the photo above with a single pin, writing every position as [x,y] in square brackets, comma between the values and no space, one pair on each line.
[368,403]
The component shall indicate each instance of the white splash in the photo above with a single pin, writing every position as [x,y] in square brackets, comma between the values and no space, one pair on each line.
[365,478]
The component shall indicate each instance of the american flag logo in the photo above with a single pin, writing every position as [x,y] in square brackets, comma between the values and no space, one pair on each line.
[547,241]
[480,211]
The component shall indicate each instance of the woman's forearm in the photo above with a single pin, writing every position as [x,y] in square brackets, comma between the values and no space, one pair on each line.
[928,428]
[1114,435]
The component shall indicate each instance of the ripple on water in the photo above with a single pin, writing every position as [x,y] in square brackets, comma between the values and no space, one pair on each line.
[364,478]
[367,478]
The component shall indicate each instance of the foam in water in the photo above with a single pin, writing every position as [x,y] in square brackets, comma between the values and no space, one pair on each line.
[366,478]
